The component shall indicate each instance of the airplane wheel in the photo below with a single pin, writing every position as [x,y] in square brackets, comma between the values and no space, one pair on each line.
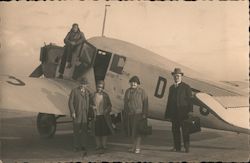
[204,111]
[46,125]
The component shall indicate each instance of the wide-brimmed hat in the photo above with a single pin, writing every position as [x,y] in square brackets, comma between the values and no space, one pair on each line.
[177,71]
[84,81]
[134,79]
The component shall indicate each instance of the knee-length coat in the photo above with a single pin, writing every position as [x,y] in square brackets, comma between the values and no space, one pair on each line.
[107,109]
[135,106]
[79,104]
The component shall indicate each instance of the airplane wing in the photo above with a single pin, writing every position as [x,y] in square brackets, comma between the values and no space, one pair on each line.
[35,94]
[239,84]
[231,109]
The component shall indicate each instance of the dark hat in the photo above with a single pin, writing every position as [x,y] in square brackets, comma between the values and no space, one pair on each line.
[100,82]
[75,24]
[134,79]
[84,81]
[177,71]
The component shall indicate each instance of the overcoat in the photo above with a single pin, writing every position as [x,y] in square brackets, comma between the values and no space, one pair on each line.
[107,109]
[77,37]
[79,104]
[183,106]
[135,105]
[136,101]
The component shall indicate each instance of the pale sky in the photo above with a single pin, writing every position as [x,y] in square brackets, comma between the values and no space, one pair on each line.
[209,37]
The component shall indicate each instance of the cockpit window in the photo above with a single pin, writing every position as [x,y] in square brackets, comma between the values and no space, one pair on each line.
[118,63]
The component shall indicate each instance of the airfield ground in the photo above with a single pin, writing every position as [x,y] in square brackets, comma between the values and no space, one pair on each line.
[20,142]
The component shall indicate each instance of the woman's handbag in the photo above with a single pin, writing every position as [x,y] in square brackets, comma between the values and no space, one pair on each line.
[192,125]
[144,128]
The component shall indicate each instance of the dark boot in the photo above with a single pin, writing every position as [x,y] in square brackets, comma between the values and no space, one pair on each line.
[186,146]
[60,76]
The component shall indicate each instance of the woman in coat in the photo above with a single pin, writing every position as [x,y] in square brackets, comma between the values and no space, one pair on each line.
[101,107]
[135,108]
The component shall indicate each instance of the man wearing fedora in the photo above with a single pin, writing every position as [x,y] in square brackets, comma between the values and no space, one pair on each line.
[178,107]
[79,107]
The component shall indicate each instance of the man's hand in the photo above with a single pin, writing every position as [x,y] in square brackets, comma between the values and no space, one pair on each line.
[144,116]
[190,114]
[73,115]
[72,43]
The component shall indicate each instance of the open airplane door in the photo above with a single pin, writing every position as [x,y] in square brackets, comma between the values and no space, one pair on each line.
[233,110]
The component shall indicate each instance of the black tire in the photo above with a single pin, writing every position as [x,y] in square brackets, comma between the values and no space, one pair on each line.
[46,125]
[204,111]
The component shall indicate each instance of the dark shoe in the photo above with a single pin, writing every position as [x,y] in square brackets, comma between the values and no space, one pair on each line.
[131,150]
[98,148]
[60,76]
[186,146]
[101,151]
[172,150]
[178,150]
[84,153]
[76,149]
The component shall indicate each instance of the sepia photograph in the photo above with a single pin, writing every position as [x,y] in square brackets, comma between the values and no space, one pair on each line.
[124,81]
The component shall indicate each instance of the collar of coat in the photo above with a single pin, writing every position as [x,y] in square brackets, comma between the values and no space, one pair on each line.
[179,85]
[83,93]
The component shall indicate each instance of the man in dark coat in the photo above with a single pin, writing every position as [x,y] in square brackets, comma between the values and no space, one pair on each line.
[79,107]
[73,42]
[178,107]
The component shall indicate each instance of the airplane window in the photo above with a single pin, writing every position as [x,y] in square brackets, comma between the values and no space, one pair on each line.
[102,52]
[118,63]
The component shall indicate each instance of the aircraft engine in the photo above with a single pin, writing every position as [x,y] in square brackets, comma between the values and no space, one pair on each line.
[204,111]
[46,125]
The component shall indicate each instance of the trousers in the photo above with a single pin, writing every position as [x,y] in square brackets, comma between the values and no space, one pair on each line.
[80,135]
[66,57]
[177,127]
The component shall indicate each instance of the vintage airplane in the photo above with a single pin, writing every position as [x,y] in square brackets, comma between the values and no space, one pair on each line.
[221,106]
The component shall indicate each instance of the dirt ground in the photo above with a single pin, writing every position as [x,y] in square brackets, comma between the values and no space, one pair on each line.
[20,142]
